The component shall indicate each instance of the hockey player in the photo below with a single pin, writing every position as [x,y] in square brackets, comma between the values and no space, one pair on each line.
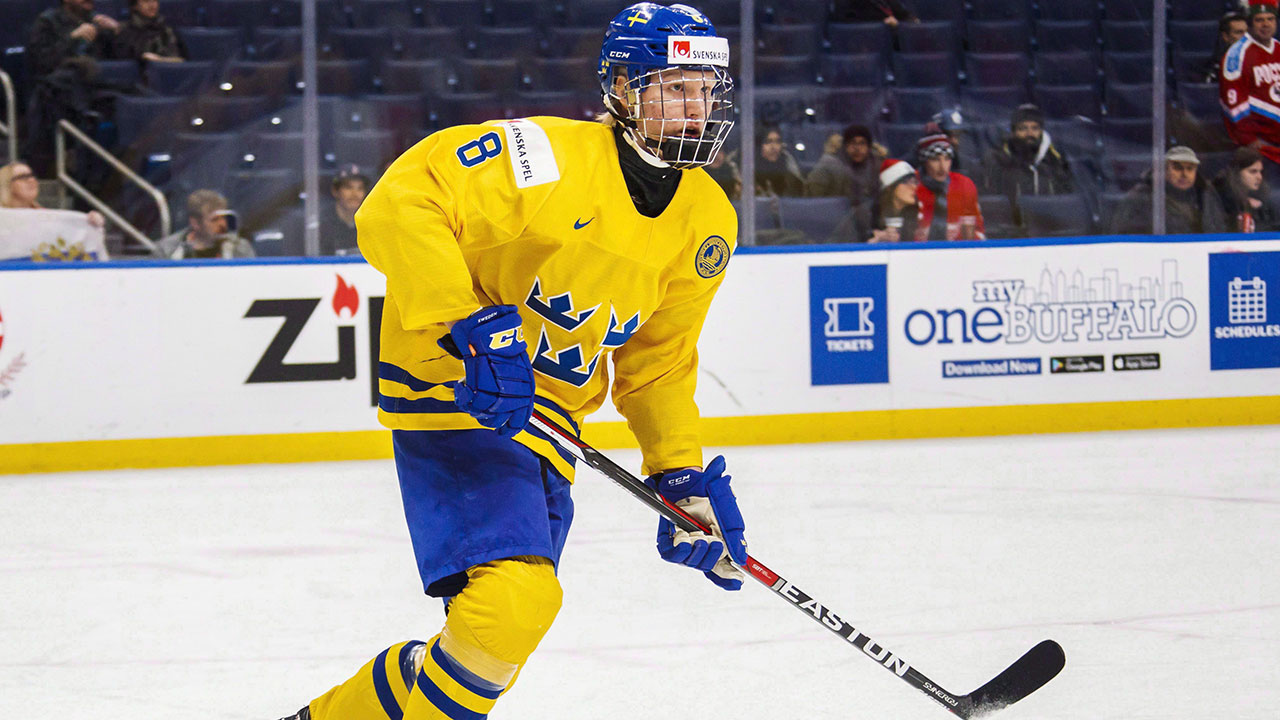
[521,256]
[1250,85]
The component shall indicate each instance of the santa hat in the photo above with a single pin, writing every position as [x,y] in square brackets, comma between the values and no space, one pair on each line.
[893,172]
[1258,7]
[934,144]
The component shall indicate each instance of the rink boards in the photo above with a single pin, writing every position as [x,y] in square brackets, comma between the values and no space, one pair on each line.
[154,364]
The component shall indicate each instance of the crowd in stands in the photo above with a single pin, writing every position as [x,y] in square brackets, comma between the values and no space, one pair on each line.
[1003,118]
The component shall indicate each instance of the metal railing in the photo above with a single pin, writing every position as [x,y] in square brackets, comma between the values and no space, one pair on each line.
[64,129]
[9,128]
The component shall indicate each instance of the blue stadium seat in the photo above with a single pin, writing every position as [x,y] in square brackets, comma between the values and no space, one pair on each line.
[997,217]
[1067,35]
[257,195]
[501,76]
[575,42]
[1189,67]
[596,14]
[365,148]
[16,34]
[457,13]
[578,74]
[926,70]
[778,105]
[805,140]
[724,13]
[1000,10]
[216,44]
[1055,215]
[1193,10]
[1128,100]
[992,104]
[1127,67]
[277,150]
[178,13]
[1194,36]
[498,43]
[343,77]
[1078,137]
[1125,10]
[785,70]
[466,108]
[526,13]
[1126,135]
[147,122]
[901,138]
[815,217]
[281,236]
[400,113]
[1071,10]
[1065,101]
[1201,100]
[1066,68]
[251,77]
[787,39]
[245,14]
[998,36]
[1107,203]
[372,44]
[862,105]
[184,78]
[850,38]
[273,43]
[430,43]
[204,160]
[385,13]
[1123,171]
[218,113]
[950,10]
[779,13]
[997,69]
[922,37]
[863,69]
[415,76]
[918,105]
[557,103]
[1126,35]
[119,73]
[329,14]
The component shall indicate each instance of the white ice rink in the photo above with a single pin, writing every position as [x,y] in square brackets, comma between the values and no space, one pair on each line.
[242,592]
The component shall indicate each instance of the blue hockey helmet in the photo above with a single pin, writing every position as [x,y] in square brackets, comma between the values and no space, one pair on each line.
[664,75]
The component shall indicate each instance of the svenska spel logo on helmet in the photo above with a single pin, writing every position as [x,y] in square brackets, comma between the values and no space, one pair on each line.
[697,50]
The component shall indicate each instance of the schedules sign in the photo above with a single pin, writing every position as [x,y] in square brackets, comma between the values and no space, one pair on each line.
[1244,310]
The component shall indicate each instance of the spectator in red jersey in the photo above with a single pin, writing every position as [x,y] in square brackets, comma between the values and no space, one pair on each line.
[1245,195]
[1250,72]
[948,200]
[890,12]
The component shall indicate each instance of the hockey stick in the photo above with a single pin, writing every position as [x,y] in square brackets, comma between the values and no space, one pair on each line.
[1031,671]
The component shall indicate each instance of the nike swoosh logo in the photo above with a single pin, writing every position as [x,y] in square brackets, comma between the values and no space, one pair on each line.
[578,224]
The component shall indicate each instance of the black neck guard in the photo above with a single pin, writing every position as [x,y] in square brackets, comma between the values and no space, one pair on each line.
[651,187]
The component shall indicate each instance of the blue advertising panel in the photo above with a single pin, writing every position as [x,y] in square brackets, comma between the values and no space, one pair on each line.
[1244,310]
[848,324]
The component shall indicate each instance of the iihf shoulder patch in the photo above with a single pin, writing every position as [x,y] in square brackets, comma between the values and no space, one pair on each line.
[712,257]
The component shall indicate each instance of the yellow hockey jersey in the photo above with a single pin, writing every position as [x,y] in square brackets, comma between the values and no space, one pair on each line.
[535,213]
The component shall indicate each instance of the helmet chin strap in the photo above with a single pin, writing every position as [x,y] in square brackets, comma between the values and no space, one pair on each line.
[648,149]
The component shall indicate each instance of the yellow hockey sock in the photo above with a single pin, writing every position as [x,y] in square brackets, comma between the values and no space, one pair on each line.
[379,691]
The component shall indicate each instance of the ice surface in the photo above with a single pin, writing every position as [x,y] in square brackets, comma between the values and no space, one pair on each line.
[243,592]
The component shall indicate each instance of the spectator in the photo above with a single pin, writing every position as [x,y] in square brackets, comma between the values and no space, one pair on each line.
[890,12]
[777,172]
[966,145]
[210,231]
[948,200]
[65,44]
[1246,199]
[1191,206]
[146,37]
[1246,86]
[338,225]
[894,214]
[726,174]
[1231,27]
[1026,163]
[19,189]
[849,172]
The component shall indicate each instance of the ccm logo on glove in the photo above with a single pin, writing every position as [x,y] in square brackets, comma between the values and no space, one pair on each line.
[497,389]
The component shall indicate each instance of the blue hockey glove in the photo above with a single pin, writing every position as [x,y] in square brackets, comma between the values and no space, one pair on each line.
[706,496]
[498,387]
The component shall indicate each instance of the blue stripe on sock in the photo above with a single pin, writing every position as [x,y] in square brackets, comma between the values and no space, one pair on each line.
[443,702]
[462,676]
[380,684]
[407,671]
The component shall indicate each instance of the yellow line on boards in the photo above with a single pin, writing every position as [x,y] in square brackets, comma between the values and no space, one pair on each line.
[718,431]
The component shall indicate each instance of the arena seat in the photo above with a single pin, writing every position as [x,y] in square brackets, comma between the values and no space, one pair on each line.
[1127,67]
[1065,101]
[591,13]
[926,70]
[260,196]
[997,69]
[365,148]
[1128,100]
[997,36]
[558,103]
[1000,10]
[329,14]
[146,122]
[273,43]
[476,75]
[343,77]
[850,38]
[385,14]
[1075,67]
[993,104]
[949,10]
[460,108]
[785,70]
[865,69]
[206,159]
[780,13]
[277,150]
[1055,215]
[815,217]
[1126,135]
[1125,10]
[577,74]
[919,105]
[430,43]
[372,44]
[218,113]
[900,138]
[1067,35]
[1194,36]
[185,78]
[455,13]
[779,105]
[1126,35]
[574,42]
[213,43]
[119,73]
[1199,10]
[1201,100]
[787,39]
[414,76]
[501,43]
[1090,10]
[252,77]
[246,14]
[925,37]
[805,140]
[997,217]
[1124,170]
